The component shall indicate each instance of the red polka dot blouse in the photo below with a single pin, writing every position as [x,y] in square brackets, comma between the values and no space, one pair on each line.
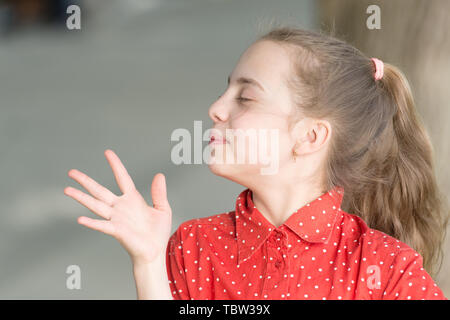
[320,252]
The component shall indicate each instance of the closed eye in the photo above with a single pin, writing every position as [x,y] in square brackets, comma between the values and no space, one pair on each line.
[241,99]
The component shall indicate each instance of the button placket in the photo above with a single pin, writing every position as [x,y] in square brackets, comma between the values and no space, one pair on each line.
[277,265]
[275,249]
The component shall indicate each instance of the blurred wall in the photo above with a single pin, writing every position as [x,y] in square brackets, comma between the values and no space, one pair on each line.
[415,36]
[137,70]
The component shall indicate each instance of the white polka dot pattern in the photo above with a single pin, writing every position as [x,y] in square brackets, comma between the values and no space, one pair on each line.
[320,252]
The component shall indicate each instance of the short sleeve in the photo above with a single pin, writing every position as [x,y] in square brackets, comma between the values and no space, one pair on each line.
[176,269]
[408,280]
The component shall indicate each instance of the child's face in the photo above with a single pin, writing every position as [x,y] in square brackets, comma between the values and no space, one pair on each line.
[269,107]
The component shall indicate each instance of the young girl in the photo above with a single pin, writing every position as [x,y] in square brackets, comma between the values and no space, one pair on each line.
[346,123]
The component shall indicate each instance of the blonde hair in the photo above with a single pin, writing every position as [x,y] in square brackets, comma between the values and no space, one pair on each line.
[380,151]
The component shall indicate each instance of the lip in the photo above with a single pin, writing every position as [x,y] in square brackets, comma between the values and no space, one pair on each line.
[217,140]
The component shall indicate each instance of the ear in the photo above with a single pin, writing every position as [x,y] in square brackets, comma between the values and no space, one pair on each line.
[311,136]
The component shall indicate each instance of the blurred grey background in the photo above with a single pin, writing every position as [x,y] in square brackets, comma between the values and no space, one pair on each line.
[137,70]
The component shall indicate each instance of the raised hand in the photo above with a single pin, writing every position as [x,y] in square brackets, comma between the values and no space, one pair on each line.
[141,229]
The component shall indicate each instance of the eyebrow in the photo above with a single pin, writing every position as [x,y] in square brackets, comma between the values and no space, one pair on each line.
[243,80]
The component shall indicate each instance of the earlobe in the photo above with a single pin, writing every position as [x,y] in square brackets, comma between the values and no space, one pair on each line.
[295,152]
[294,155]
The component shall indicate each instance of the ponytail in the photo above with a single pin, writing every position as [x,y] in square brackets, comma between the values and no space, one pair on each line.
[380,152]
[409,207]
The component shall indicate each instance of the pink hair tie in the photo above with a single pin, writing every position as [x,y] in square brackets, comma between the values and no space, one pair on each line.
[379,68]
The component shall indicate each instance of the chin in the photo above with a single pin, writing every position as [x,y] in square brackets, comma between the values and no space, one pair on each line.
[219,169]
[237,173]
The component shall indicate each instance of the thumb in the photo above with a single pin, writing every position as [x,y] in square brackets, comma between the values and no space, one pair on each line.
[159,193]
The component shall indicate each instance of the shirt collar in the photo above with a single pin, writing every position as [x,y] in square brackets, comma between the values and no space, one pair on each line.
[313,222]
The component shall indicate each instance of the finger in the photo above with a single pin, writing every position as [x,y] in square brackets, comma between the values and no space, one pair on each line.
[123,179]
[99,225]
[94,188]
[96,206]
[159,193]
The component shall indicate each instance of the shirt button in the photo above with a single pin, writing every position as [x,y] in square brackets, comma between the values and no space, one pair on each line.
[278,264]
[273,239]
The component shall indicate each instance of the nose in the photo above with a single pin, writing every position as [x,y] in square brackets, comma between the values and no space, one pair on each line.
[218,112]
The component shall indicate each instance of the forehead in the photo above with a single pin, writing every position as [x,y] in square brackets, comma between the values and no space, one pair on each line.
[266,62]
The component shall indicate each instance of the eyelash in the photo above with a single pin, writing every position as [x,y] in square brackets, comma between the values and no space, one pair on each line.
[240,99]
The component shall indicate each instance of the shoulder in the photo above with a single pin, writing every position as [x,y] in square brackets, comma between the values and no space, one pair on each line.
[400,267]
[377,248]
[224,219]
[193,228]
[370,238]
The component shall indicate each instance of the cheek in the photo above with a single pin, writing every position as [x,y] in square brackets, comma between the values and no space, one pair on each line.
[259,120]
[270,133]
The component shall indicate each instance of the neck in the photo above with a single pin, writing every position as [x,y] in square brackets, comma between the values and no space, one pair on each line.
[278,202]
